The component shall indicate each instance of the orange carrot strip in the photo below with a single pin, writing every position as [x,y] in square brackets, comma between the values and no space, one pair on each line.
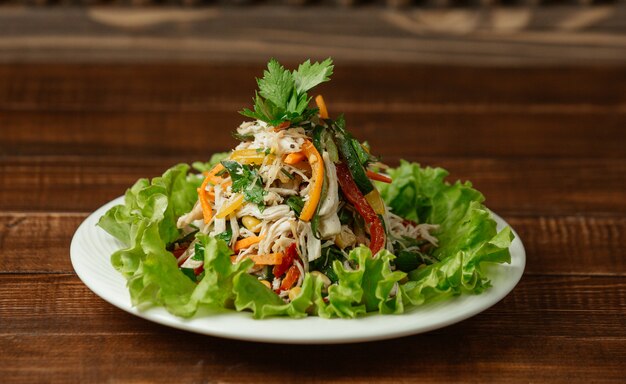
[378,176]
[321,105]
[281,126]
[210,175]
[207,211]
[294,158]
[267,259]
[247,242]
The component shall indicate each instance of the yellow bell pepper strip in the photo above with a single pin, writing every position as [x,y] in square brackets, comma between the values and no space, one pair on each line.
[317,180]
[251,156]
[247,242]
[378,176]
[267,259]
[375,201]
[231,206]
[294,158]
[321,105]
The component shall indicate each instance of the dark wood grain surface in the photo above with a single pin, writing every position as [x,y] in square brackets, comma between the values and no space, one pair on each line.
[546,145]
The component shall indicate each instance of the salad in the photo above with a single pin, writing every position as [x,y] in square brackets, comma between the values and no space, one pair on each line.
[300,219]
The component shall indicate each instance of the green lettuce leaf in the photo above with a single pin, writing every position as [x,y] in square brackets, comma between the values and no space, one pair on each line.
[263,302]
[365,289]
[161,200]
[467,233]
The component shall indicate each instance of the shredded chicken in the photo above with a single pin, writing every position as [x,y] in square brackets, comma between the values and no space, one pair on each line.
[269,213]
[191,216]
[400,227]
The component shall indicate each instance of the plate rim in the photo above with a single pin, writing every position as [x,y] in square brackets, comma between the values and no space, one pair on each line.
[198,323]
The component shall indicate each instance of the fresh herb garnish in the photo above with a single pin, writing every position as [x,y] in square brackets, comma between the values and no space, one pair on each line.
[296,203]
[226,235]
[246,179]
[198,253]
[324,263]
[189,272]
[282,94]
[287,173]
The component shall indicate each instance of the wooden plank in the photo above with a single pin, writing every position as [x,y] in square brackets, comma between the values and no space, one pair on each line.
[63,333]
[512,186]
[176,356]
[196,133]
[48,304]
[389,87]
[36,243]
[570,245]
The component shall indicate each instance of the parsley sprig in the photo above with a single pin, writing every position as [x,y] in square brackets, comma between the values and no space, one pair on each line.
[282,94]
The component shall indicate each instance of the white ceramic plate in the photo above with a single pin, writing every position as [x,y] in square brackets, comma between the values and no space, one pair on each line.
[91,249]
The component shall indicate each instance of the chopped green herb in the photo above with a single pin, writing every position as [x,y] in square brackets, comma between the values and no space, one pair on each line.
[345,216]
[226,235]
[324,263]
[189,273]
[198,254]
[246,179]
[296,204]
[286,173]
[407,261]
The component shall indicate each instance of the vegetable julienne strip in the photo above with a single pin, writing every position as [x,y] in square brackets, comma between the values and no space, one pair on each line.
[267,259]
[203,196]
[317,168]
[378,176]
[211,175]
[352,193]
[246,242]
[290,278]
[231,206]
[319,100]
[294,158]
[250,156]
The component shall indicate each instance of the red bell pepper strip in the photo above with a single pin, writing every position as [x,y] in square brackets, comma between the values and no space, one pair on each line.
[290,278]
[290,255]
[356,198]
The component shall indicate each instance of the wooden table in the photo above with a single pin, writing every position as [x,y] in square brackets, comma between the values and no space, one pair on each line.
[547,146]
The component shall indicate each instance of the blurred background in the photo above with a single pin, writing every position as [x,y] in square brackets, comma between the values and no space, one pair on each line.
[464,32]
